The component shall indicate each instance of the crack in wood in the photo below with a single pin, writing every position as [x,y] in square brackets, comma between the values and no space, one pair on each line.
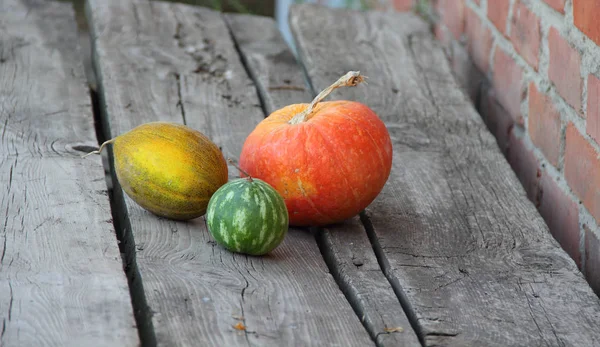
[3,244]
[443,334]
[179,82]
[4,232]
[245,327]
[11,301]
[5,127]
[80,148]
[448,283]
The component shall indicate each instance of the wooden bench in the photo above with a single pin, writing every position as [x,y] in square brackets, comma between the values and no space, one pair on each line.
[451,253]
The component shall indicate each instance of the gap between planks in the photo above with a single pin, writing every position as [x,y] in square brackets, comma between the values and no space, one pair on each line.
[141,310]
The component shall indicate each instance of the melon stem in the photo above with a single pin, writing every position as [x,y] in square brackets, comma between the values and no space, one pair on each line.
[101,147]
[350,79]
[240,169]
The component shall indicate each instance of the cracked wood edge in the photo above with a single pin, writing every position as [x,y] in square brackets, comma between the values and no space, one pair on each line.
[453,228]
[272,65]
[160,61]
[61,275]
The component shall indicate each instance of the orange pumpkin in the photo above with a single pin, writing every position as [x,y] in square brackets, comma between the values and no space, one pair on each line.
[328,160]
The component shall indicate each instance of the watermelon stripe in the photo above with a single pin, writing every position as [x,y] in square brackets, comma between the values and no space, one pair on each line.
[247,216]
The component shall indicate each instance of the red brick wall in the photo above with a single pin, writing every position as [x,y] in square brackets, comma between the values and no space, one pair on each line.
[532,68]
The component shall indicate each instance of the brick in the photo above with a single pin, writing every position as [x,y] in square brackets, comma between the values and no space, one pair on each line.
[497,12]
[452,13]
[479,40]
[544,124]
[592,259]
[508,83]
[585,15]
[564,69]
[525,34]
[582,170]
[524,164]
[561,215]
[593,108]
[497,119]
[558,5]
[402,5]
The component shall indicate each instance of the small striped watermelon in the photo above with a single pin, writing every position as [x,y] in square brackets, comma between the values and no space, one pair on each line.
[248,216]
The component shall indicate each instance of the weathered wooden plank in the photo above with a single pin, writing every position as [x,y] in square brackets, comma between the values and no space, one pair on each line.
[453,227]
[271,64]
[61,276]
[159,61]
[269,61]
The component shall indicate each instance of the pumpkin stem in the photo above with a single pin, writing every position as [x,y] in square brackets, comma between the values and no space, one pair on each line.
[101,147]
[350,79]
[241,170]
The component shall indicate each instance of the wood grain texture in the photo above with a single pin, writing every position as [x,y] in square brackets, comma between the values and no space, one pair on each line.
[453,227]
[61,276]
[159,61]
[349,254]
[279,79]
[271,63]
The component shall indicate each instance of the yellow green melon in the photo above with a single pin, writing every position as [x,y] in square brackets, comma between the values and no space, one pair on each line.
[169,169]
